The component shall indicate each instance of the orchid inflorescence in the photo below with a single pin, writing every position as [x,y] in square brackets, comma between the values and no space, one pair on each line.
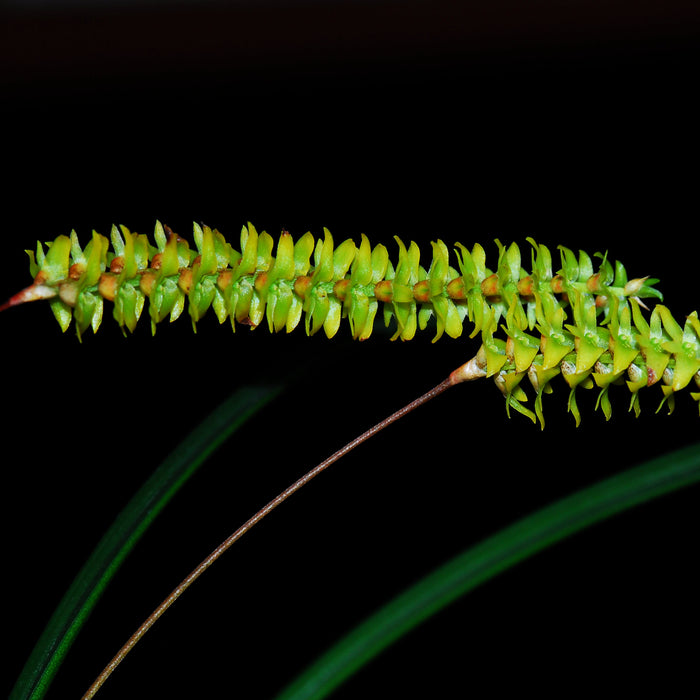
[583,323]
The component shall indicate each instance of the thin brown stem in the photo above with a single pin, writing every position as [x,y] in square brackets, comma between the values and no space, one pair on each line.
[206,563]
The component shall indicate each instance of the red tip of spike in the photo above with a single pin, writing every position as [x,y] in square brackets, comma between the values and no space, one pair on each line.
[31,293]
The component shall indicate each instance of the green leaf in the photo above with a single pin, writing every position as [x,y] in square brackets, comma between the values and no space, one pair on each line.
[489,558]
[127,529]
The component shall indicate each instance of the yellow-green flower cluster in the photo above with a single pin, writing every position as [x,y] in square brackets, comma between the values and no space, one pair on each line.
[581,322]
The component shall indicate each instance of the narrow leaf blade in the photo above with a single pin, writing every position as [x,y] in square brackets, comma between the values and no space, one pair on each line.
[127,529]
[494,555]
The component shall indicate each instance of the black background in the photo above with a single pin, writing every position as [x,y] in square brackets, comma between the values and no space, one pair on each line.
[575,125]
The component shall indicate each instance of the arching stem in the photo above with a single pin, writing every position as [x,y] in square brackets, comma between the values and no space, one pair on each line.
[468,371]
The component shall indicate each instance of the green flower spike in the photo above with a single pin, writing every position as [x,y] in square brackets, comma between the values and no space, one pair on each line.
[580,322]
